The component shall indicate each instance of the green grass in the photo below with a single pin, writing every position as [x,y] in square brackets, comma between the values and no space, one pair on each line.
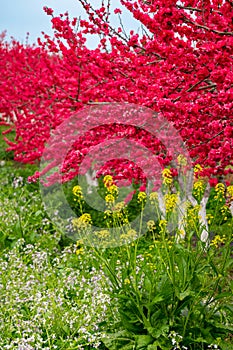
[4,156]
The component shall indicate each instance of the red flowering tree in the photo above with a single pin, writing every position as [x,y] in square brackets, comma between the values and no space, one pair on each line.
[180,66]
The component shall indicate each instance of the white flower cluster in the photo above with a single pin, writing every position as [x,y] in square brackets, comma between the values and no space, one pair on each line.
[47,303]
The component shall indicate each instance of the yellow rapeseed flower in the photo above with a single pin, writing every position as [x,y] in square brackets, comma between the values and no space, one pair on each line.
[77,191]
[83,221]
[102,234]
[107,214]
[151,225]
[79,245]
[198,188]
[193,214]
[141,197]
[109,199]
[181,233]
[220,191]
[119,206]
[132,233]
[167,176]
[220,188]
[224,211]
[153,197]
[171,201]
[162,225]
[182,160]
[209,218]
[230,191]
[113,189]
[151,266]
[79,251]
[197,168]
[217,240]
[108,180]
[126,281]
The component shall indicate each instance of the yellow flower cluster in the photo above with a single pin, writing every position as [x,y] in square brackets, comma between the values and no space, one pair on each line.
[230,191]
[152,266]
[220,191]
[113,189]
[151,225]
[129,236]
[107,214]
[103,234]
[171,200]
[198,188]
[224,211]
[108,181]
[182,160]
[141,197]
[197,168]
[109,199]
[209,218]
[119,206]
[217,240]
[153,198]
[83,221]
[120,212]
[181,233]
[132,233]
[126,281]
[167,176]
[77,191]
[80,249]
[193,214]
[117,216]
[162,225]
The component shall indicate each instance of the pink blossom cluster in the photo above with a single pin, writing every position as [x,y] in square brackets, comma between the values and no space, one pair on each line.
[181,67]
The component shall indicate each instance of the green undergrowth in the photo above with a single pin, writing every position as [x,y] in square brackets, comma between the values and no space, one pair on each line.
[154,293]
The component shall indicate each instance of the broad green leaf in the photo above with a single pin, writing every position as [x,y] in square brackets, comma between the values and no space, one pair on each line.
[143,340]
[115,341]
[152,347]
[183,295]
[156,332]
[157,299]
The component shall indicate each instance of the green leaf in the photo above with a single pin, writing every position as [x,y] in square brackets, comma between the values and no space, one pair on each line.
[223,295]
[66,329]
[161,345]
[182,295]
[39,212]
[223,327]
[143,340]
[115,341]
[157,299]
[228,307]
[152,347]
[156,332]
[147,284]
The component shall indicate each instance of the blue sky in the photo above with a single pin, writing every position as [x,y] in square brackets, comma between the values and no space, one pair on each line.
[21,16]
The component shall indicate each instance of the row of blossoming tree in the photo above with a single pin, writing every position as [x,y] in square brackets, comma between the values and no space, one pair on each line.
[180,66]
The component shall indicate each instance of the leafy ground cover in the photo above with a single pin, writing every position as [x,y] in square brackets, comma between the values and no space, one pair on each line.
[156,292]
